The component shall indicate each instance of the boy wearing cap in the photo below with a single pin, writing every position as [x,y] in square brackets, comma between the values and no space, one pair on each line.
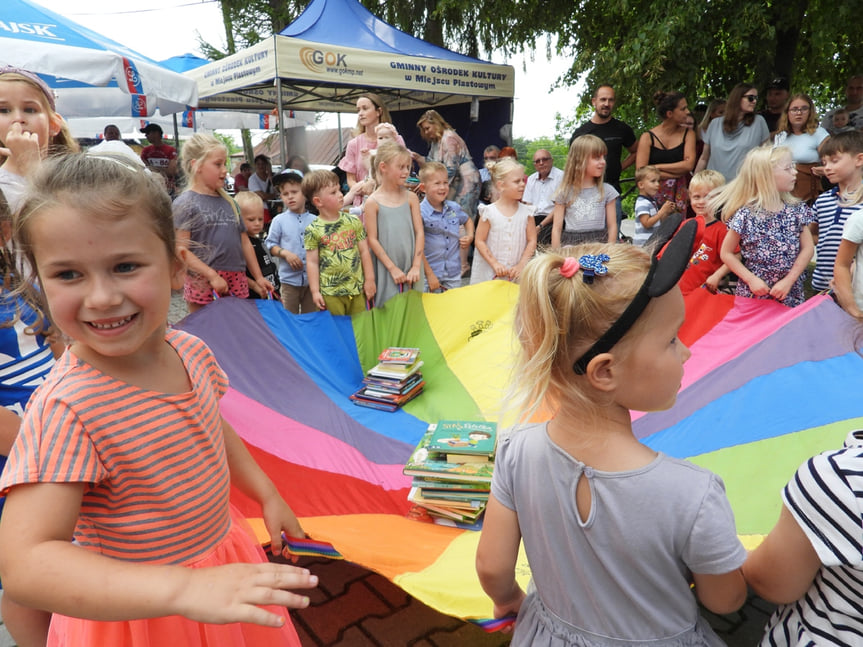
[160,157]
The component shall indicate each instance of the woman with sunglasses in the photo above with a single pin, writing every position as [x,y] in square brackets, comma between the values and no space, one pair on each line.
[798,129]
[730,137]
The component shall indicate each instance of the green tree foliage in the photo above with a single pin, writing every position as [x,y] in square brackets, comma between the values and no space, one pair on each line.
[704,48]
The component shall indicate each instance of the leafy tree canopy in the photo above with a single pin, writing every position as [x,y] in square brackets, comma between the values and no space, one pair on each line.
[701,48]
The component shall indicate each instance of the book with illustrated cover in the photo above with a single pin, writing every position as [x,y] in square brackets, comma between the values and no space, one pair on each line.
[399,355]
[464,440]
[425,464]
[394,371]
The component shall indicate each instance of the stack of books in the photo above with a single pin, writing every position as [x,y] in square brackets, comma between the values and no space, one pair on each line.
[452,468]
[393,381]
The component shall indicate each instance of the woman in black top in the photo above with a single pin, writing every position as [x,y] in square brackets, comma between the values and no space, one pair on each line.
[670,147]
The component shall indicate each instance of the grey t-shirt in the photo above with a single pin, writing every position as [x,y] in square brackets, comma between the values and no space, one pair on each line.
[727,150]
[624,573]
[214,229]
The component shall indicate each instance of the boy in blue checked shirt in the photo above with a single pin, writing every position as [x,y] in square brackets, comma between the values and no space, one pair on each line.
[442,220]
[285,242]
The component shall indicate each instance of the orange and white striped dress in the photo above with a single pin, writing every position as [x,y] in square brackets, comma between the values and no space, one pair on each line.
[159,486]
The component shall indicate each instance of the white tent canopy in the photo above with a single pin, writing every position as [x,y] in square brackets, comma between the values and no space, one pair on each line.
[72,59]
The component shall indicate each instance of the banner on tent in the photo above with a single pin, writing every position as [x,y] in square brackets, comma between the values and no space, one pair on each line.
[314,62]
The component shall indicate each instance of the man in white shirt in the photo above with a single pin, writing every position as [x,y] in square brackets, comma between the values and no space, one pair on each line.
[112,143]
[539,191]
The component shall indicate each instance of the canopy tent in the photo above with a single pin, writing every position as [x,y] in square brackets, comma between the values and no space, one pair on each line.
[766,387]
[336,50]
[73,59]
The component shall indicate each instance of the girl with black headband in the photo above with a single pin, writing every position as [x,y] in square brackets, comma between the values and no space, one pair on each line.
[614,532]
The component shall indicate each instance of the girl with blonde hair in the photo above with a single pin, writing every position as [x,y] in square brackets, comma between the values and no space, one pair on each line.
[614,531]
[505,237]
[584,205]
[770,226]
[209,225]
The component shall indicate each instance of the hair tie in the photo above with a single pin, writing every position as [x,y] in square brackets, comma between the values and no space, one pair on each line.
[593,265]
[569,268]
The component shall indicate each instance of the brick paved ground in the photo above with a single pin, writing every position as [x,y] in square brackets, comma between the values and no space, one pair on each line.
[353,607]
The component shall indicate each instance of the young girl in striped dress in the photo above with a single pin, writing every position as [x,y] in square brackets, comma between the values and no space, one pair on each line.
[123,448]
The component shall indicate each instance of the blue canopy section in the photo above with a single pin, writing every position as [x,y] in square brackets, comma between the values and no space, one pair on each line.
[349,24]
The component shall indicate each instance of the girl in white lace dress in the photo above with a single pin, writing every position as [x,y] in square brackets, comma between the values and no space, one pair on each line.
[505,235]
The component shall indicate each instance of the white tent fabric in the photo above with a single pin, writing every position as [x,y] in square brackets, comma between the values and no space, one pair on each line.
[71,57]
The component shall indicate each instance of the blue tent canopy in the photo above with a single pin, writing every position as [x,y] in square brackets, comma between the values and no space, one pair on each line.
[347,22]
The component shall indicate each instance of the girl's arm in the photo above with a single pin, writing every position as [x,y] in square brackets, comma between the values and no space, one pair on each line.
[42,568]
[10,422]
[431,279]
[842,278]
[784,565]
[529,250]
[369,286]
[611,219]
[807,248]
[496,558]
[198,266]
[313,271]
[732,239]
[371,222]
[248,476]
[481,246]
[413,274]
[557,224]
[642,154]
[252,264]
[723,593]
[712,281]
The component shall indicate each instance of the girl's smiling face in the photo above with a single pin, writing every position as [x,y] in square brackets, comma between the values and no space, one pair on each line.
[112,300]
[24,111]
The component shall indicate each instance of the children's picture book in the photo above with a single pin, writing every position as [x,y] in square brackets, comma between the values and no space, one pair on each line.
[465,440]
[399,355]
[394,371]
[429,465]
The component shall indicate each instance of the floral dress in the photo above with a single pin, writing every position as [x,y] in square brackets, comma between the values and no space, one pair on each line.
[769,245]
[465,183]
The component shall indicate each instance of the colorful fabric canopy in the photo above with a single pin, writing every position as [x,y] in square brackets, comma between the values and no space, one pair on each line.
[765,388]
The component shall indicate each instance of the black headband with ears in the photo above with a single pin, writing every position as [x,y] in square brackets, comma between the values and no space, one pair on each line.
[674,248]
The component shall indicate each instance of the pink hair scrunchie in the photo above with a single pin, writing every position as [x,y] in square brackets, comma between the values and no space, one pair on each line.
[569,268]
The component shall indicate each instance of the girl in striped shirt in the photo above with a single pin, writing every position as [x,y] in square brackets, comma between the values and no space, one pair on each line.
[811,563]
[123,448]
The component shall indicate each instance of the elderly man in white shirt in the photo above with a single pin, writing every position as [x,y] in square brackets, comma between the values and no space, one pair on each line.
[539,191]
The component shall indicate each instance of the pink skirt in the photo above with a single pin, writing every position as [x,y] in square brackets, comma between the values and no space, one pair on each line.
[177,631]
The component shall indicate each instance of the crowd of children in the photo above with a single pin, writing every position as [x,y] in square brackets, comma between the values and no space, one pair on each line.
[160,556]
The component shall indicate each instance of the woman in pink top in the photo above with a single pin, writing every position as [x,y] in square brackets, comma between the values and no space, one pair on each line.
[371,111]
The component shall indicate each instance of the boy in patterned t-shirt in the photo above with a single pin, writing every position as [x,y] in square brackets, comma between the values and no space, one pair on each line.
[338,261]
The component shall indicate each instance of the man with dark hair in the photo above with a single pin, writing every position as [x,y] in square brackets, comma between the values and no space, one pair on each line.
[616,134]
[774,102]
[159,157]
